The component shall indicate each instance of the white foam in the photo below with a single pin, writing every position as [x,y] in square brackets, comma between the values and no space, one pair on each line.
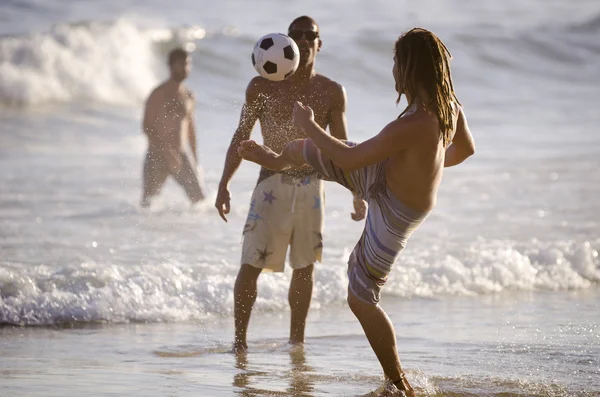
[112,63]
[93,292]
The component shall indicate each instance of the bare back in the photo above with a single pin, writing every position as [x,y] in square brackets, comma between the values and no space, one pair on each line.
[414,174]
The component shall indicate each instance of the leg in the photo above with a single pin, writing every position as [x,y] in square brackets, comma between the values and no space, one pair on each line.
[267,233]
[244,297]
[306,246]
[154,175]
[187,177]
[382,338]
[291,156]
[299,298]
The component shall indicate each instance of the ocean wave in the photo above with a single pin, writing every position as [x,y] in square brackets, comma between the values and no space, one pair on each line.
[78,62]
[119,62]
[93,292]
[112,63]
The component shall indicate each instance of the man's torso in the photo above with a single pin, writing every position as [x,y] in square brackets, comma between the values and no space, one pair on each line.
[173,118]
[276,113]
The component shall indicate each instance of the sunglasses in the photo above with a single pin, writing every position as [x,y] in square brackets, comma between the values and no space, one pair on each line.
[303,34]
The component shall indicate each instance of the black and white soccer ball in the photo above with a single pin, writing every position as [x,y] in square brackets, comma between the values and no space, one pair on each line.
[275,56]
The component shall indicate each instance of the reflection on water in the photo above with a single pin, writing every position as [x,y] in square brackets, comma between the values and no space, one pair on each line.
[298,376]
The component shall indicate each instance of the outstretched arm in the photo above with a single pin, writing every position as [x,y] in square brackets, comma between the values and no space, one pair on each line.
[396,136]
[338,129]
[462,146]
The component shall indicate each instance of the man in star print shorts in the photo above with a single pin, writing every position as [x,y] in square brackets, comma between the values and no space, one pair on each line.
[286,208]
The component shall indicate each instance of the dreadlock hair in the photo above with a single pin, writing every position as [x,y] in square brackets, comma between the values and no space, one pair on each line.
[423,63]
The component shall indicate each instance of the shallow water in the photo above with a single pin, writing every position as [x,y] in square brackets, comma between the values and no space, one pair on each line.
[496,294]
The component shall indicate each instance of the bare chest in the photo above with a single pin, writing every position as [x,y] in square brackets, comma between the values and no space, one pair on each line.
[278,106]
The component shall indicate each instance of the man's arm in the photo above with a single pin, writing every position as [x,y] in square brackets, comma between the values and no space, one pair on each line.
[462,145]
[249,115]
[337,116]
[151,115]
[396,136]
[192,127]
[338,128]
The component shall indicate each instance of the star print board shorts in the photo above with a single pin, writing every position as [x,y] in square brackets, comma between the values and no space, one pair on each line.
[284,211]
[388,225]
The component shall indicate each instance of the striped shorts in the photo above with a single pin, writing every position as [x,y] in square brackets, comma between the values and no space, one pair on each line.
[388,225]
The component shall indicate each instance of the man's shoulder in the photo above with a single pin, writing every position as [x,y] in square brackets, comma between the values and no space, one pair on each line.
[258,86]
[259,82]
[328,82]
[330,88]
[158,90]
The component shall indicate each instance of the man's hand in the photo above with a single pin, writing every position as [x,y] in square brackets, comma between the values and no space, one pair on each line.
[302,115]
[360,209]
[223,202]
[173,160]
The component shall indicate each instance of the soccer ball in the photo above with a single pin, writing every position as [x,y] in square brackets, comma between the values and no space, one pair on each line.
[275,56]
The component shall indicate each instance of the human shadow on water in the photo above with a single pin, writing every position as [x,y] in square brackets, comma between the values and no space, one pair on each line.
[300,373]
[298,376]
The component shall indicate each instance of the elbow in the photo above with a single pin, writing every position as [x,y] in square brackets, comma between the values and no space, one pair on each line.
[467,151]
[470,151]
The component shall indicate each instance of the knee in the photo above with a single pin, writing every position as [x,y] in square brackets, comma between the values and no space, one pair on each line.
[353,303]
[247,275]
[305,274]
[358,307]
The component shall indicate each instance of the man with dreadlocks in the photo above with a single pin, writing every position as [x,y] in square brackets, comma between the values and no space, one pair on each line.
[398,172]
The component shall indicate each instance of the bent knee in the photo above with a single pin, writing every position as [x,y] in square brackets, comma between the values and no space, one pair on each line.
[357,306]
[249,272]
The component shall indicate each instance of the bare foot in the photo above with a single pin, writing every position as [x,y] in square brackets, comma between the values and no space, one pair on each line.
[405,386]
[261,155]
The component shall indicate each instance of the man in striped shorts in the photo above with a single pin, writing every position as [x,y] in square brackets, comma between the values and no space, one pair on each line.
[398,171]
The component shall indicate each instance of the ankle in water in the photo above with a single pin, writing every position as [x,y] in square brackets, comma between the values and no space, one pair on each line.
[399,384]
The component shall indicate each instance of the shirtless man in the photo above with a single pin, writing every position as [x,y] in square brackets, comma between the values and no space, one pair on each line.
[398,172]
[170,127]
[286,207]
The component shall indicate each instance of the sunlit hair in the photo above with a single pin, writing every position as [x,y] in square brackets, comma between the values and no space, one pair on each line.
[423,63]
